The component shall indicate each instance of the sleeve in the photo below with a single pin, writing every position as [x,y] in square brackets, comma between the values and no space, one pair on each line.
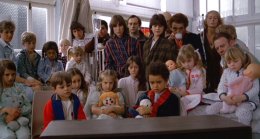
[69,65]
[21,65]
[47,114]
[121,99]
[81,114]
[27,106]
[60,66]
[41,71]
[109,61]
[121,86]
[176,105]
[223,80]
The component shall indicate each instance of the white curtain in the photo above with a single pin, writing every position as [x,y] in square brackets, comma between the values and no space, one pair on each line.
[68,12]
[85,16]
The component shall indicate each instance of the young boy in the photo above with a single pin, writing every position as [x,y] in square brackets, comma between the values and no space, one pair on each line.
[63,104]
[28,59]
[164,103]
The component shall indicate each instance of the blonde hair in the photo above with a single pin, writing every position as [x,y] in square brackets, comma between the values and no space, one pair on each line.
[220,22]
[107,73]
[234,53]
[187,52]
[65,42]
[72,51]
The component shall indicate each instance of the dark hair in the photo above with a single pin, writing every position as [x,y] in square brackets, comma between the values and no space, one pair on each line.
[83,86]
[59,77]
[5,64]
[222,34]
[76,25]
[180,19]
[7,25]
[158,19]
[158,68]
[134,16]
[50,45]
[141,72]
[117,19]
[104,23]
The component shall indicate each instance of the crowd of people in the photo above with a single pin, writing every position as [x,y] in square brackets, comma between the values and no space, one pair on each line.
[171,70]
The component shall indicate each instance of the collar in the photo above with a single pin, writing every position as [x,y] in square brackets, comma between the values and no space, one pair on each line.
[4,44]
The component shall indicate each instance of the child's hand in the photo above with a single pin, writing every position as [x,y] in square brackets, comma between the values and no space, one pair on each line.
[228,99]
[143,110]
[12,114]
[238,99]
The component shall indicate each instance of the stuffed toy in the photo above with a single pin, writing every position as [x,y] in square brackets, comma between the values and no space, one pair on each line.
[241,85]
[16,101]
[108,99]
[144,103]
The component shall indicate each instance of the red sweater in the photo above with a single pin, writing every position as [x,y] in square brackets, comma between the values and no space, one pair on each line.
[49,115]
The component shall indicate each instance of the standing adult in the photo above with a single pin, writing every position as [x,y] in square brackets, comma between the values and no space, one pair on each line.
[157,47]
[103,35]
[178,24]
[120,46]
[213,70]
[134,24]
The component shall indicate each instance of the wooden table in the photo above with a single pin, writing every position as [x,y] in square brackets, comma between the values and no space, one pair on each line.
[210,127]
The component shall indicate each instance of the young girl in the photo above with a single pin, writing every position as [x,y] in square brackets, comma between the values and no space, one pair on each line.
[64,46]
[63,104]
[79,86]
[164,103]
[134,82]
[49,62]
[189,61]
[15,108]
[236,61]
[76,60]
[107,82]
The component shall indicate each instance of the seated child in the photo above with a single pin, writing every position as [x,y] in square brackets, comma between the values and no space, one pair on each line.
[63,105]
[15,108]
[107,83]
[164,103]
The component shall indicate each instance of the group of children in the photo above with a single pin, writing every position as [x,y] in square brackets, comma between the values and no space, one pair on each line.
[170,91]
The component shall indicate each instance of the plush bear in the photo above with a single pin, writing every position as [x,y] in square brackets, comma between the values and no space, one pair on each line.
[16,101]
[108,99]
[241,85]
[144,103]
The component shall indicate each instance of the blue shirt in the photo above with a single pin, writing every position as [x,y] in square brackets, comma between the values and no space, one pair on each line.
[6,51]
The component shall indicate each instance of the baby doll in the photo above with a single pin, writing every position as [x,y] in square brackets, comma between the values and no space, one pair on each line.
[171,65]
[241,84]
[143,103]
[108,99]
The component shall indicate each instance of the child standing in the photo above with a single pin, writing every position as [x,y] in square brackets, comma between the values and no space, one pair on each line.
[63,104]
[28,59]
[134,83]
[107,82]
[76,60]
[164,103]
[236,61]
[190,62]
[15,108]
[64,45]
[49,62]
[79,86]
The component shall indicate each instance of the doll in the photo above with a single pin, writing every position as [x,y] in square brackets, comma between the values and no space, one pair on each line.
[143,103]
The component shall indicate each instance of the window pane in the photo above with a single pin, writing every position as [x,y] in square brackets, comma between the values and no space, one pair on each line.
[242,34]
[203,7]
[213,5]
[39,23]
[225,7]
[257,6]
[241,7]
[257,41]
[18,14]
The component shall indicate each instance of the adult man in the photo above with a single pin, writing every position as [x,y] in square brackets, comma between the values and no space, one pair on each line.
[134,25]
[103,35]
[222,41]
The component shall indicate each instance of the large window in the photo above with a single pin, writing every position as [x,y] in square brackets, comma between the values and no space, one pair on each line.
[241,7]
[257,6]
[257,41]
[25,19]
